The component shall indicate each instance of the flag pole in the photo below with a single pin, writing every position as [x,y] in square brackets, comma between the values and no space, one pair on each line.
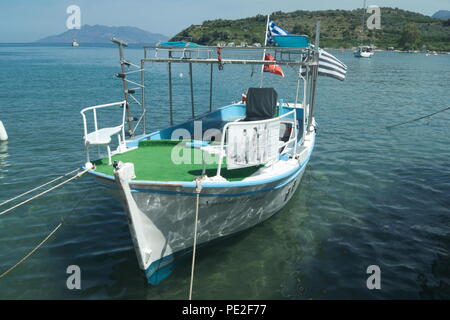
[264,53]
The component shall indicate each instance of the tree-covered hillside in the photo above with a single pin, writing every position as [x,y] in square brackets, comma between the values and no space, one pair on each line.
[339,28]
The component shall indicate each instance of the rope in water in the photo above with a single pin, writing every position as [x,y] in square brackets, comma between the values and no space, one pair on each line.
[31,252]
[79,174]
[420,118]
[198,189]
[45,239]
[37,188]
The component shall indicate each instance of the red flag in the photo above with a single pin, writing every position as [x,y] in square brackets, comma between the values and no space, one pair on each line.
[272,68]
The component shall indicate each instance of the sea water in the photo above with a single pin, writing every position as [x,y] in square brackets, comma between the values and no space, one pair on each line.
[369,196]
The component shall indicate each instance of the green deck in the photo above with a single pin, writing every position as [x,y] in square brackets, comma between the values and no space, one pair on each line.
[152,161]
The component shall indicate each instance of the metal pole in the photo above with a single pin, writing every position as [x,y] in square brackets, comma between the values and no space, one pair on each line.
[125,88]
[264,53]
[210,88]
[364,16]
[298,86]
[144,113]
[304,101]
[192,90]
[315,75]
[170,91]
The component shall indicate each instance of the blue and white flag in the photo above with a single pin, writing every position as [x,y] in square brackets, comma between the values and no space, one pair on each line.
[274,30]
[330,66]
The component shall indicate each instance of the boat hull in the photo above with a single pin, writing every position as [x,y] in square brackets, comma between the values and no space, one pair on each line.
[221,213]
[170,210]
[359,54]
[161,214]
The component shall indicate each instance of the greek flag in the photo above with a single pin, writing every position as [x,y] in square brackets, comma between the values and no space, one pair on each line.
[274,30]
[330,66]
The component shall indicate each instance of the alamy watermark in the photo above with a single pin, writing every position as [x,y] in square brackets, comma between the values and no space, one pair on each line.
[74,280]
[74,20]
[181,154]
[374,20]
[374,280]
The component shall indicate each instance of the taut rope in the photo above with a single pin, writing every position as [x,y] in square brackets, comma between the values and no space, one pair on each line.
[198,189]
[31,252]
[79,174]
[34,189]
[427,116]
[45,239]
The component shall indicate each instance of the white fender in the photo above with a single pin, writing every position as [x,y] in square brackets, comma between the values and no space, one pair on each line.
[3,134]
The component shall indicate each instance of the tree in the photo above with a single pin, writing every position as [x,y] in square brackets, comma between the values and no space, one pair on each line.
[301,29]
[410,37]
[204,39]
[347,34]
[446,23]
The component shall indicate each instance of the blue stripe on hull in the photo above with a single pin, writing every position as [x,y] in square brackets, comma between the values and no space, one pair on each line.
[155,273]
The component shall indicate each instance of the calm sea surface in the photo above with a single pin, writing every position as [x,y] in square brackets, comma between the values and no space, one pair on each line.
[370,196]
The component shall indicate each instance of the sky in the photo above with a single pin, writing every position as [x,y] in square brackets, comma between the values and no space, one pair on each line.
[30,20]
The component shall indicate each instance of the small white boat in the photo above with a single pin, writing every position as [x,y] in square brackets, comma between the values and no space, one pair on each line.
[363,52]
[75,43]
[235,166]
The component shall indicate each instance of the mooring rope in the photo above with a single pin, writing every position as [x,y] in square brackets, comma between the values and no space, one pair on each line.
[420,118]
[198,189]
[31,252]
[46,238]
[37,188]
[79,174]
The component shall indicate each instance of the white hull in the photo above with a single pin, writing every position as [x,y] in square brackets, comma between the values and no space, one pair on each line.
[360,54]
[162,216]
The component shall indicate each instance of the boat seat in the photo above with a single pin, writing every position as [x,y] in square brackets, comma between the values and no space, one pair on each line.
[261,104]
[102,136]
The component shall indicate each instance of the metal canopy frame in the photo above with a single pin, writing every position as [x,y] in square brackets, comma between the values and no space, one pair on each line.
[305,59]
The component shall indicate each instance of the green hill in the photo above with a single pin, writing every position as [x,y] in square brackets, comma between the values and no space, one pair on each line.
[339,28]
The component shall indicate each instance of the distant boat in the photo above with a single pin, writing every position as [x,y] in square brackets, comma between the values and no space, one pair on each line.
[75,43]
[432,53]
[363,52]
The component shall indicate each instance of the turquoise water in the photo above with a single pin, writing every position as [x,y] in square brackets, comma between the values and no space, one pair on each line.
[370,196]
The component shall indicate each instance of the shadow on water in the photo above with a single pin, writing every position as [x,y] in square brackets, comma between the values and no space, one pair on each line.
[402,232]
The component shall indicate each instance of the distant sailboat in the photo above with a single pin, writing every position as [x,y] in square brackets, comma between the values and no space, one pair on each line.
[75,43]
[363,51]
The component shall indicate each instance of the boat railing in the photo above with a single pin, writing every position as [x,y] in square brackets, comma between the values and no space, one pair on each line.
[282,147]
[102,136]
[235,55]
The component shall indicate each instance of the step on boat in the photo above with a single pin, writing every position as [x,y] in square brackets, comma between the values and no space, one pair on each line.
[235,166]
